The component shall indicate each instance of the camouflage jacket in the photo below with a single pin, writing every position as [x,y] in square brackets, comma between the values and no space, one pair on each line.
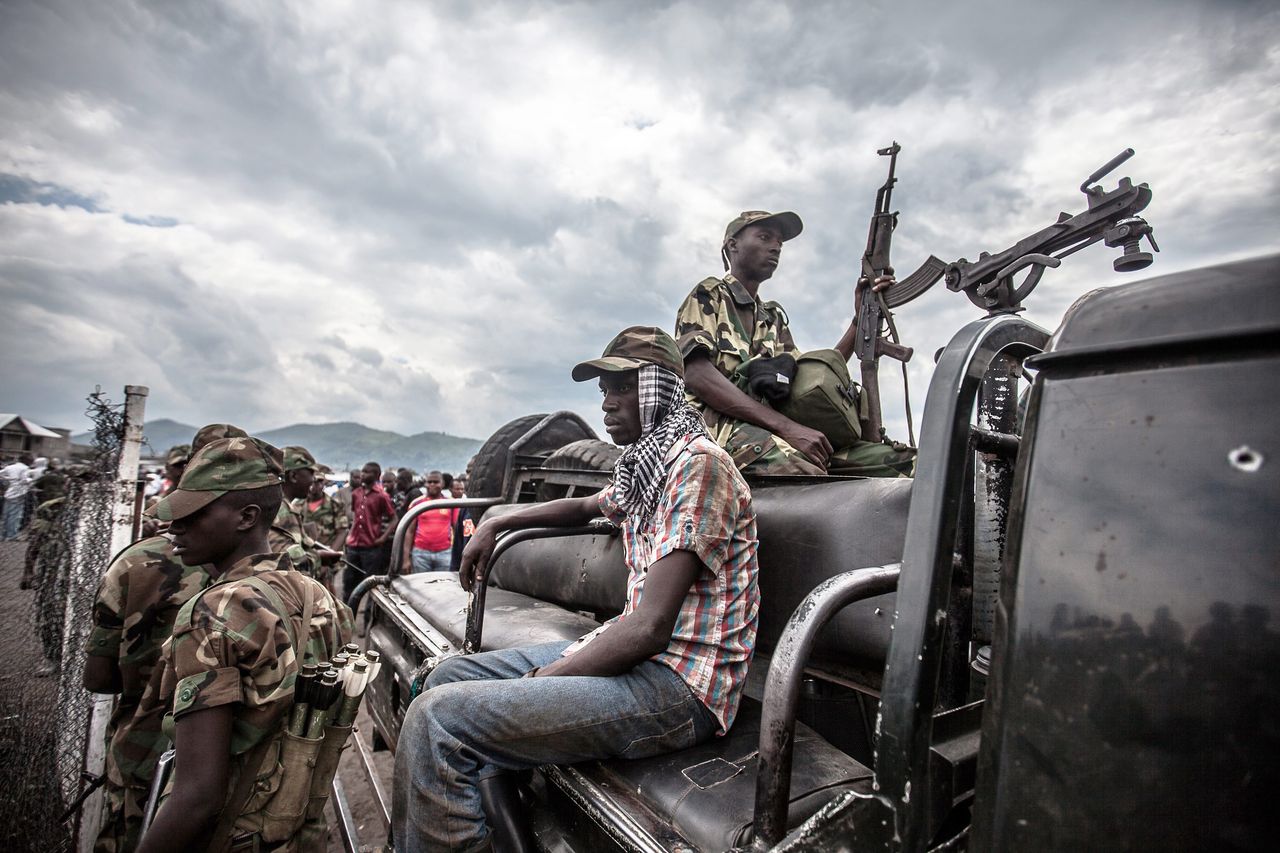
[720,318]
[328,518]
[235,650]
[138,599]
[48,516]
[287,536]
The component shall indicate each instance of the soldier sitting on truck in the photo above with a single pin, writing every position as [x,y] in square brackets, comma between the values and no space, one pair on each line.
[723,323]
[664,675]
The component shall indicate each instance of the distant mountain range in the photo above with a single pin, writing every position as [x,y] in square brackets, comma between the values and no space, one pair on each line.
[341,446]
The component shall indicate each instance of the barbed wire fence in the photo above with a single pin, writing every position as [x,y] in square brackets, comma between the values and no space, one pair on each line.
[44,708]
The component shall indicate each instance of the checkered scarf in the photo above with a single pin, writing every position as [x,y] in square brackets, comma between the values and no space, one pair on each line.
[665,417]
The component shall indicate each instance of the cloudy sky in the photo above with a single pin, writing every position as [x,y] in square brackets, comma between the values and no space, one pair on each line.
[419,215]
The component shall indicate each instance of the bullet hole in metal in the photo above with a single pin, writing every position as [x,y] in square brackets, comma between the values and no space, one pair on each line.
[1245,459]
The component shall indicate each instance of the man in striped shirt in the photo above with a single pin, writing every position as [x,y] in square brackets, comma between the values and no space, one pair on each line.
[664,675]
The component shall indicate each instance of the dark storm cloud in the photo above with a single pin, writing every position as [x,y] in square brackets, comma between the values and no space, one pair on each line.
[226,98]
[136,322]
[426,201]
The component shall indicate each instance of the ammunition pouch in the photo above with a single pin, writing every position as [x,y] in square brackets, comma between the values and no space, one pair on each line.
[281,816]
[288,798]
[823,396]
[314,829]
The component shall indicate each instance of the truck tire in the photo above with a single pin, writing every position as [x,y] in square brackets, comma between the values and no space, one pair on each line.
[588,454]
[490,467]
[491,458]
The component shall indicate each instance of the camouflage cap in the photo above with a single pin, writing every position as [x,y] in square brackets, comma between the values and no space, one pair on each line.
[178,454]
[786,222]
[297,458]
[633,347]
[213,432]
[224,465]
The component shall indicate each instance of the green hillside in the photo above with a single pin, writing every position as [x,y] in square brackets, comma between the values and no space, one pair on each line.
[340,445]
[348,445]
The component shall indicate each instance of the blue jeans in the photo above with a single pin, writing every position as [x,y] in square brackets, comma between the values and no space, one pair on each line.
[431,561]
[478,718]
[13,508]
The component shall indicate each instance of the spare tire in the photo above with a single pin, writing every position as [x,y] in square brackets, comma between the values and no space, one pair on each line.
[589,454]
[489,470]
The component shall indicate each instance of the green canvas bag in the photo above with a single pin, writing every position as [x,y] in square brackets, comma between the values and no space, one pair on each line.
[825,398]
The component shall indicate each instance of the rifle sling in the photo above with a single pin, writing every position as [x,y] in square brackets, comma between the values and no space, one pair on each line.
[906,386]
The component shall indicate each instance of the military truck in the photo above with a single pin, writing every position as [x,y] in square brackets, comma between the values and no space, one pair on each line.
[1055,636]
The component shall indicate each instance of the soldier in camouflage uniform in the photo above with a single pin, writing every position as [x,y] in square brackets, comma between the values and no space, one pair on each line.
[288,535]
[326,517]
[175,461]
[227,674]
[723,323]
[48,516]
[139,596]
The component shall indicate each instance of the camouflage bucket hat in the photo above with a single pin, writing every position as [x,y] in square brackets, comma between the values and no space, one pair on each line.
[213,432]
[297,458]
[633,347]
[786,222]
[225,465]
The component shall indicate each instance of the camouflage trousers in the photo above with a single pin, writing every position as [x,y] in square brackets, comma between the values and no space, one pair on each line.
[122,827]
[755,450]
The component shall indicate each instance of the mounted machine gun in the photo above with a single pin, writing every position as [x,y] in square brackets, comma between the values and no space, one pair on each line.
[1111,217]
[989,281]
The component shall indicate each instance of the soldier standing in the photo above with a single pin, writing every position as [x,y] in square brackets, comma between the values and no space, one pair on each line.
[227,674]
[287,534]
[723,323]
[175,462]
[326,514]
[138,599]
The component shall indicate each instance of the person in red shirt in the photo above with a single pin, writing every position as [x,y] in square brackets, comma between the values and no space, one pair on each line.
[373,522]
[433,531]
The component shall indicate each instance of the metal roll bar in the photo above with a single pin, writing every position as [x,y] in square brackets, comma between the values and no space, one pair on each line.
[475,601]
[911,677]
[782,689]
[397,543]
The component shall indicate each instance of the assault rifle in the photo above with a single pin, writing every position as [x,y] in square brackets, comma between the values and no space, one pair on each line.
[872,309]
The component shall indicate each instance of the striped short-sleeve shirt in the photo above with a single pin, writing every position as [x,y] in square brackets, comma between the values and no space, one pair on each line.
[705,509]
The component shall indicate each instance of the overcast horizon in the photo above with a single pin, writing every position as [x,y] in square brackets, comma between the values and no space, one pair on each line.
[419,216]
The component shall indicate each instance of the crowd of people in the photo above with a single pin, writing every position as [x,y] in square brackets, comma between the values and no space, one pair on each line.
[208,626]
[25,483]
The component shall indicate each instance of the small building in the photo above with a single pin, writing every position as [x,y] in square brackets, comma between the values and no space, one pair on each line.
[21,435]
